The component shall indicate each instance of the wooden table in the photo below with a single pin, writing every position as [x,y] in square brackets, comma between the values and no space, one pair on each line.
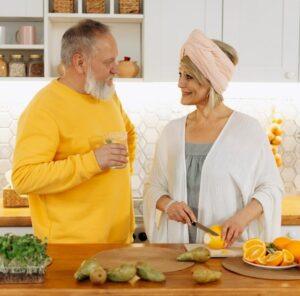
[66,259]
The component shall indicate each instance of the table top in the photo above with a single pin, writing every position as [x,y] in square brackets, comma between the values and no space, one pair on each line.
[67,258]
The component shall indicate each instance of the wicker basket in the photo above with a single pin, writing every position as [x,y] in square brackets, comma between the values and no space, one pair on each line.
[129,6]
[63,6]
[95,6]
[11,199]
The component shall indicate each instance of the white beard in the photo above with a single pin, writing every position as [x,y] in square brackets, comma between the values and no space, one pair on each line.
[98,89]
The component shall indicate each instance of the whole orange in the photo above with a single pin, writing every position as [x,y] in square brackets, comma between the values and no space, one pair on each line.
[294,248]
[281,242]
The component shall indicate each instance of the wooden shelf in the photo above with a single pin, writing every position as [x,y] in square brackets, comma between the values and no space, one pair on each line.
[23,46]
[21,19]
[115,18]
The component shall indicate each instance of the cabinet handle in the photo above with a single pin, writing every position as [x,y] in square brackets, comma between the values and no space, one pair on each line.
[290,75]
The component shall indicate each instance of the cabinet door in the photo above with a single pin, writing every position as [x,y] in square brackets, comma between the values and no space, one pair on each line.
[21,8]
[167,25]
[266,35]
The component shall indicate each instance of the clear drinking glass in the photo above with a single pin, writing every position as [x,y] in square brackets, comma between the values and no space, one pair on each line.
[117,138]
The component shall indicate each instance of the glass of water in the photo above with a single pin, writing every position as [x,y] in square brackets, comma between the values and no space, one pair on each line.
[117,138]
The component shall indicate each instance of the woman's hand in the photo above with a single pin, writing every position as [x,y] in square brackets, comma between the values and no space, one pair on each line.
[234,226]
[232,229]
[181,212]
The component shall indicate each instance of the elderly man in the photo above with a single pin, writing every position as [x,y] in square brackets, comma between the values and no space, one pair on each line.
[78,183]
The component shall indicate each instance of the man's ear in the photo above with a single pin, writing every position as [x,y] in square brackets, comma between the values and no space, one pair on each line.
[79,63]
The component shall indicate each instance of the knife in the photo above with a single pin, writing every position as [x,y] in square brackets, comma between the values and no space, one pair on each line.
[204,228]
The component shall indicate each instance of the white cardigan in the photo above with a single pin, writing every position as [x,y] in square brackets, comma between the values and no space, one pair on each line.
[239,166]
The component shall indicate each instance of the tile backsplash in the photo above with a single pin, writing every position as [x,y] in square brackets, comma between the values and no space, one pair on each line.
[151,109]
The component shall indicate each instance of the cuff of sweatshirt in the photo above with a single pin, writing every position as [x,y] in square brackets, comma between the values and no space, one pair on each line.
[92,164]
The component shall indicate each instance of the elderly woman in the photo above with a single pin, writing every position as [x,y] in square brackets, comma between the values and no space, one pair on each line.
[214,165]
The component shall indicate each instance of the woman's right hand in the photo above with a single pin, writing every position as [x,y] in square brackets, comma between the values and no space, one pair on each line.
[181,212]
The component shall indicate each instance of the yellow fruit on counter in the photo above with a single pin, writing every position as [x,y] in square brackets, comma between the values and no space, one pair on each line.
[252,242]
[274,259]
[288,258]
[214,242]
[294,248]
[253,253]
[271,136]
[276,141]
[261,260]
[278,159]
[276,129]
[281,242]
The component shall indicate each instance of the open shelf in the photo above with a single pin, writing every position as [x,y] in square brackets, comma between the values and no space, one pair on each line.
[114,18]
[22,46]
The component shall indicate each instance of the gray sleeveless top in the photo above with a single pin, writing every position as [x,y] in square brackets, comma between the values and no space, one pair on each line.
[195,155]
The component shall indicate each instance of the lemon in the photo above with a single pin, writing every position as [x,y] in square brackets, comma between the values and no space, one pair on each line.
[214,242]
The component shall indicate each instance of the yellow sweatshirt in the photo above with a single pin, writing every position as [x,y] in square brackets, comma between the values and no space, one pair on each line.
[70,198]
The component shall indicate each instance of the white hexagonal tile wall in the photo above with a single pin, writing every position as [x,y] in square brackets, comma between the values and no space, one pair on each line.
[5,151]
[297,135]
[289,127]
[5,165]
[14,126]
[12,141]
[3,181]
[297,182]
[151,120]
[289,187]
[288,143]
[288,174]
[16,110]
[150,135]
[5,135]
[289,159]
[5,119]
[135,182]
[297,166]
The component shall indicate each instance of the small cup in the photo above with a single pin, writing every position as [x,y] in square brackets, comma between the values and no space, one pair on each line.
[117,138]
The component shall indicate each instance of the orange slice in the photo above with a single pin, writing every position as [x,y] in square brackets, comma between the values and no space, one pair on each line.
[255,252]
[288,258]
[252,242]
[274,259]
[261,260]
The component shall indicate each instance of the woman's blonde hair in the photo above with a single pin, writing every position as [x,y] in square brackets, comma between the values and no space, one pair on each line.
[213,98]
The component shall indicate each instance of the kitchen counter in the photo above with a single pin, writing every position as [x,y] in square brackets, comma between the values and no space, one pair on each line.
[67,258]
[20,217]
[14,217]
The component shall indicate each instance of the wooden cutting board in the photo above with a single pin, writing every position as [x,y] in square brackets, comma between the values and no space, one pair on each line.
[237,265]
[234,251]
[163,259]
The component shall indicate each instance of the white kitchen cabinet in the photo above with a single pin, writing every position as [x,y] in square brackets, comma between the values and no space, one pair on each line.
[266,35]
[21,8]
[292,231]
[167,25]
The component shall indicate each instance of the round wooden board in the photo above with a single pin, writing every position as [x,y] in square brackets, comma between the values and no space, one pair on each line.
[238,266]
[162,259]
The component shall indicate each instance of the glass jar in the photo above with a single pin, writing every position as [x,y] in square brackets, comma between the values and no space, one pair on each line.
[3,67]
[35,65]
[17,67]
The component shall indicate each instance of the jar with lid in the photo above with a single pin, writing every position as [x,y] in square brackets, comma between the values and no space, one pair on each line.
[35,65]
[3,67]
[17,67]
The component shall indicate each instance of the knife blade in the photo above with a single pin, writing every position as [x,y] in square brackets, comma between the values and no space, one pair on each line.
[204,228]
